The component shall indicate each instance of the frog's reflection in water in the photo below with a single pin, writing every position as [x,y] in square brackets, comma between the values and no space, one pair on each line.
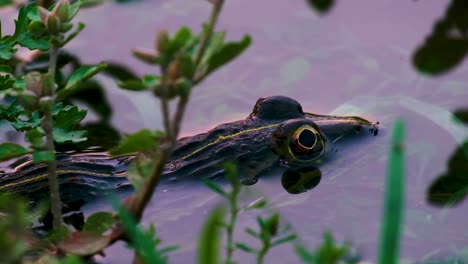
[301,180]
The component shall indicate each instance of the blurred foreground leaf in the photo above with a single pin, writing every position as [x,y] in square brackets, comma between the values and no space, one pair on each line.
[11,150]
[321,6]
[447,45]
[392,216]
[451,187]
[209,243]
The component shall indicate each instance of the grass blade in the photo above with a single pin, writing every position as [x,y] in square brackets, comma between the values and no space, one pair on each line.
[209,243]
[393,200]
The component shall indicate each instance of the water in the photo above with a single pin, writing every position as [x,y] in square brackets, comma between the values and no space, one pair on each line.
[355,61]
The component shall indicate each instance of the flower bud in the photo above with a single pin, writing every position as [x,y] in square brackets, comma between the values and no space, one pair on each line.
[162,41]
[147,56]
[43,14]
[61,10]
[173,71]
[34,83]
[53,24]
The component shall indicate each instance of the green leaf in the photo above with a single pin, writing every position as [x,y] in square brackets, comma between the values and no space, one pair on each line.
[283,240]
[73,10]
[91,3]
[143,140]
[7,50]
[393,200]
[227,53]
[180,39]
[27,40]
[99,222]
[150,80]
[23,125]
[69,116]
[10,150]
[251,232]
[143,242]
[133,85]
[78,76]
[6,69]
[21,24]
[63,136]
[214,45]
[209,242]
[214,187]
[43,156]
[35,137]
[245,247]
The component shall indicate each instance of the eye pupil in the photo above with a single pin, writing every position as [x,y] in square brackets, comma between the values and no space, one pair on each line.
[307,138]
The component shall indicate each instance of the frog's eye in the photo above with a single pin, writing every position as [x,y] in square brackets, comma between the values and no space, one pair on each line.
[299,140]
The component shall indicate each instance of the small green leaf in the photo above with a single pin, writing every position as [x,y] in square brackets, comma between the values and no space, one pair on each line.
[68,116]
[150,80]
[209,242]
[23,125]
[214,187]
[227,53]
[91,3]
[35,137]
[27,40]
[251,232]
[63,136]
[143,242]
[257,204]
[180,39]
[283,240]
[10,150]
[73,10]
[99,222]
[43,156]
[133,85]
[78,76]
[143,140]
[245,247]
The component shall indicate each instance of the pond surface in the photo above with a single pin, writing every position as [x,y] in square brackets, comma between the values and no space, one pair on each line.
[354,61]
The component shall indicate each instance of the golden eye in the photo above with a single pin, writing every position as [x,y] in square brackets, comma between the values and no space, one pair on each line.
[299,140]
[305,137]
[306,143]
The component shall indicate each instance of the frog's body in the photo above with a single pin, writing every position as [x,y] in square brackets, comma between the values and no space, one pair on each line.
[277,131]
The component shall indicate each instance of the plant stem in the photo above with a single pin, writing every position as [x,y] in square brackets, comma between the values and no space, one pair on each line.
[263,251]
[234,210]
[217,6]
[47,125]
[172,126]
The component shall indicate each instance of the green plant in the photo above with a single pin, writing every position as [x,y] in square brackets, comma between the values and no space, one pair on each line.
[37,110]
[327,253]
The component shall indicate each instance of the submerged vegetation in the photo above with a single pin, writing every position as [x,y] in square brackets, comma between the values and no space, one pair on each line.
[37,102]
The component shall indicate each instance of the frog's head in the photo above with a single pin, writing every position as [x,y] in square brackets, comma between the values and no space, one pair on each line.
[301,137]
